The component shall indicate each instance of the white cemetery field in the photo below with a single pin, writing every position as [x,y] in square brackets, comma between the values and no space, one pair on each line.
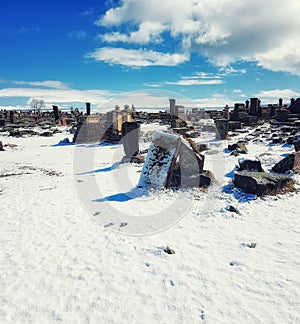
[81,243]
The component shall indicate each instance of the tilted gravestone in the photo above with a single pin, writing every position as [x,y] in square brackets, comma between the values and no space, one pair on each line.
[170,155]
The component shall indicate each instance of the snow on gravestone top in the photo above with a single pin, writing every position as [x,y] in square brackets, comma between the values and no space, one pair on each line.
[162,152]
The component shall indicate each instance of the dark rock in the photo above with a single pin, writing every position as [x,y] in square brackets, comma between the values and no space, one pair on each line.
[250,165]
[1,146]
[297,145]
[277,140]
[232,209]
[206,178]
[285,164]
[202,147]
[240,147]
[46,134]
[15,133]
[235,153]
[290,140]
[168,250]
[262,183]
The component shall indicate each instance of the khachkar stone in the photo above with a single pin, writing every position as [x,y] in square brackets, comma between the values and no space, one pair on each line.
[130,138]
[89,130]
[222,128]
[172,161]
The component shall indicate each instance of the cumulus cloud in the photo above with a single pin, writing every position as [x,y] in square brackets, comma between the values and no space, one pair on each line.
[225,31]
[136,58]
[275,94]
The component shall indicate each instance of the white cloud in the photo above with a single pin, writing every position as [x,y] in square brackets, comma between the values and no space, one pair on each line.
[136,58]
[193,81]
[48,84]
[225,31]
[147,32]
[275,94]
[97,97]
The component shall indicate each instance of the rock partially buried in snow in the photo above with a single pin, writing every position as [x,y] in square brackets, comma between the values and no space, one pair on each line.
[168,250]
[291,162]
[262,183]
[1,146]
[250,165]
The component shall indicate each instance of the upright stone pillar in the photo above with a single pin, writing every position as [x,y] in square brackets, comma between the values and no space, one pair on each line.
[56,113]
[130,138]
[12,116]
[88,108]
[222,126]
[254,104]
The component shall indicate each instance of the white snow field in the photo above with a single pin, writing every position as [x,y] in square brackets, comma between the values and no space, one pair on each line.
[61,261]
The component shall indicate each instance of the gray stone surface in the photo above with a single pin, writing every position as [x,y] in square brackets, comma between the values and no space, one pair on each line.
[262,183]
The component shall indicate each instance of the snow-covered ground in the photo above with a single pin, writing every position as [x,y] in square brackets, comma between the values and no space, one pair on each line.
[61,261]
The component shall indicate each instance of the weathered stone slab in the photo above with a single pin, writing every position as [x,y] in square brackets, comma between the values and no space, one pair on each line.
[161,156]
[262,183]
[130,138]
[161,169]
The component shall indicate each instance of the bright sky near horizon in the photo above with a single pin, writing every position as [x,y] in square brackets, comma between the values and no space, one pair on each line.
[214,52]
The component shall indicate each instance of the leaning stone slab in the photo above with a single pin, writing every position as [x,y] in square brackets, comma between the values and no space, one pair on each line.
[161,156]
[262,183]
[162,168]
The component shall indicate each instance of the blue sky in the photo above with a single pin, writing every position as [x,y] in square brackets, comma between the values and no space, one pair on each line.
[213,52]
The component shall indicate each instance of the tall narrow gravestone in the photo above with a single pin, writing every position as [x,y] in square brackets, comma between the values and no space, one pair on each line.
[130,138]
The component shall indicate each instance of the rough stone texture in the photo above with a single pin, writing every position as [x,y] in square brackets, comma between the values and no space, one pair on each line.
[88,130]
[172,161]
[250,165]
[285,164]
[262,183]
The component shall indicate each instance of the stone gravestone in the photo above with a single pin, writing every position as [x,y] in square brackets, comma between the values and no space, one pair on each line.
[171,159]
[89,130]
[222,126]
[130,138]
